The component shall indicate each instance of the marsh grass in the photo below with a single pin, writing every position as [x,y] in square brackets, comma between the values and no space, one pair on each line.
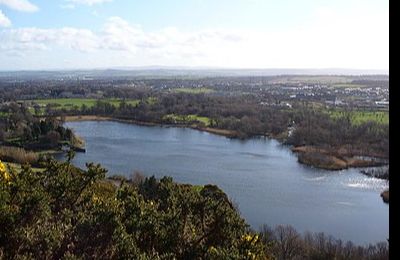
[18,155]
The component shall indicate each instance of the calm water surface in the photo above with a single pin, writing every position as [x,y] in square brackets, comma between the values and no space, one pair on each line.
[260,175]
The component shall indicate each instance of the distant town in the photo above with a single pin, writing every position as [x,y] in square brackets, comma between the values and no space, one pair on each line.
[360,92]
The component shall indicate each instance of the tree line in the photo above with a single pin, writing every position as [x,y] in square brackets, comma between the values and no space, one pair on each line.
[246,116]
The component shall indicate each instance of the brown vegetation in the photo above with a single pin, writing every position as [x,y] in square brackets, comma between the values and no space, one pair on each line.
[331,159]
[322,161]
[286,243]
[18,155]
[227,133]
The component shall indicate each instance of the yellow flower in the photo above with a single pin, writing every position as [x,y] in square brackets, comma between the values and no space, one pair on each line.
[3,172]
[95,199]
[247,237]
[2,167]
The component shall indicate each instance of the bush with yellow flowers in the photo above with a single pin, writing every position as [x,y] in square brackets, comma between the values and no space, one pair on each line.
[66,212]
[4,175]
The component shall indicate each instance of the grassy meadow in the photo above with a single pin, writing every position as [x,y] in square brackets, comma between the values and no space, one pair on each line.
[193,90]
[69,103]
[359,117]
[188,118]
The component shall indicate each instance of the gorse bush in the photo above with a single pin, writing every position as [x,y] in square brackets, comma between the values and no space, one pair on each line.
[65,212]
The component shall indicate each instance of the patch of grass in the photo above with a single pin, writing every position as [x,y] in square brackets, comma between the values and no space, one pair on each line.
[65,102]
[68,103]
[193,90]
[187,119]
[359,117]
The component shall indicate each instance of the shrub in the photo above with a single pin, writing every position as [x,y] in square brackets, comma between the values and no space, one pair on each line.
[66,212]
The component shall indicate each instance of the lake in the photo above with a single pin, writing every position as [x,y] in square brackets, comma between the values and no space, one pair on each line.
[260,175]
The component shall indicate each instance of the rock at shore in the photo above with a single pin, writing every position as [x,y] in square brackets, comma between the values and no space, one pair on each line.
[385,196]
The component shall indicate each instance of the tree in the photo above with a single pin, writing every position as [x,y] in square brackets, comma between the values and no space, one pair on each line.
[52,138]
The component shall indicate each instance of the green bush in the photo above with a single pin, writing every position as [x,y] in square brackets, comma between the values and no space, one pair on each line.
[65,212]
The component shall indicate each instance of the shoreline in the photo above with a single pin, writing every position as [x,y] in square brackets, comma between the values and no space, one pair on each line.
[307,155]
[221,132]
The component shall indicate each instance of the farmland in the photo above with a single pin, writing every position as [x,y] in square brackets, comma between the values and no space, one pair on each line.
[79,102]
[70,103]
[360,117]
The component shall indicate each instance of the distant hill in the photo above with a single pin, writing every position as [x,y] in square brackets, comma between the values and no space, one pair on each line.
[158,71]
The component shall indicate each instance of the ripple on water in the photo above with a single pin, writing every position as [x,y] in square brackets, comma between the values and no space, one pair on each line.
[367,183]
[320,178]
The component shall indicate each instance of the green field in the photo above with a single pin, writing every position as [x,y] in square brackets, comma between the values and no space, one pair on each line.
[69,103]
[309,79]
[359,117]
[188,118]
[193,90]
[349,85]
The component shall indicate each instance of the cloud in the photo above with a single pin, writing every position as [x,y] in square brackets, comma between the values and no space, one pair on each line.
[35,39]
[331,39]
[4,21]
[115,35]
[88,2]
[20,5]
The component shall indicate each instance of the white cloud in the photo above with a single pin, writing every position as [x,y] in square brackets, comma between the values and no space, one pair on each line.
[20,5]
[4,21]
[34,39]
[89,2]
[116,35]
[331,39]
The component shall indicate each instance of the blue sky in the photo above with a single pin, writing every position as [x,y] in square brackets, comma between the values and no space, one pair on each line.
[58,34]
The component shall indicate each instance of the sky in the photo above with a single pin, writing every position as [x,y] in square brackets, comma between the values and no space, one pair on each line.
[87,34]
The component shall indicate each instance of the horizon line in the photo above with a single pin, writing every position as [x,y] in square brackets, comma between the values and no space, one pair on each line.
[191,68]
